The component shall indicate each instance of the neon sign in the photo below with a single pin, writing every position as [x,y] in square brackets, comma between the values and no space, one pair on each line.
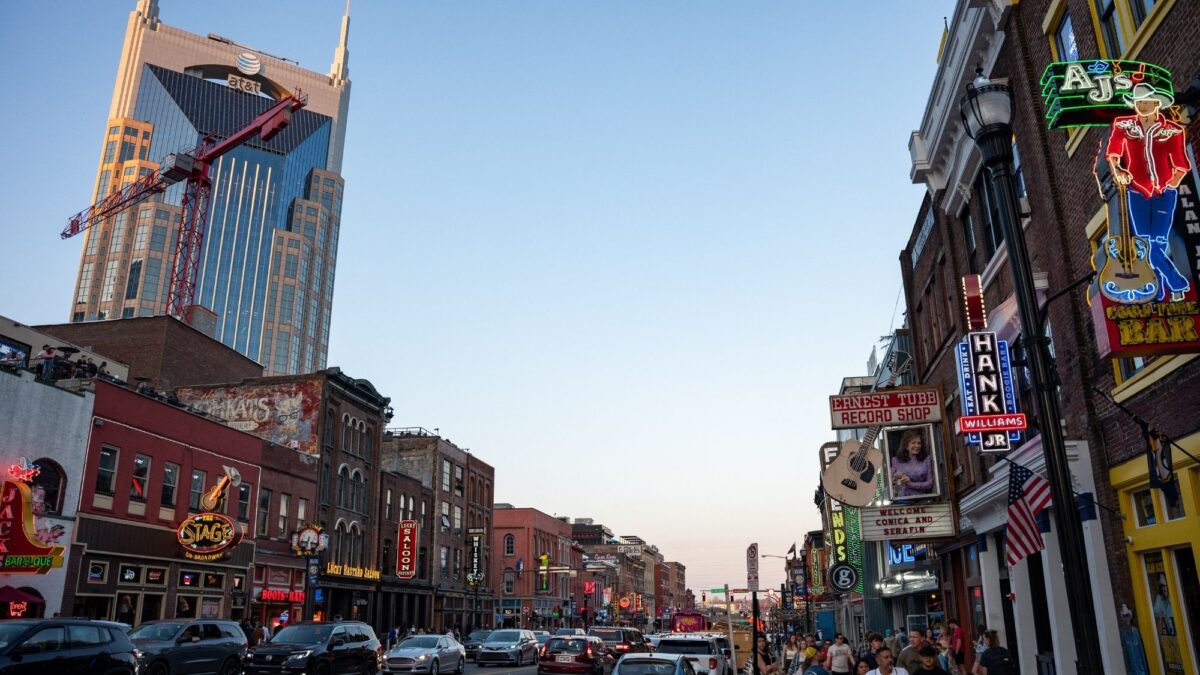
[406,553]
[17,610]
[207,536]
[1092,93]
[20,550]
[278,595]
[309,540]
[24,471]
[985,381]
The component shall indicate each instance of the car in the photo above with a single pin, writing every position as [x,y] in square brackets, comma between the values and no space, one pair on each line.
[621,640]
[317,648]
[653,664]
[569,631]
[508,645]
[65,647]
[171,646]
[702,651]
[726,650]
[541,636]
[471,644]
[431,654]
[574,655]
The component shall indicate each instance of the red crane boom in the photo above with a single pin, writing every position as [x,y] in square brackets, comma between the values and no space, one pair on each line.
[194,168]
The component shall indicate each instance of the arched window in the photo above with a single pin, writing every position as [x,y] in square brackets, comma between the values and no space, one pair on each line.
[338,542]
[510,545]
[362,499]
[345,433]
[353,555]
[329,430]
[368,435]
[510,582]
[343,476]
[356,485]
[49,486]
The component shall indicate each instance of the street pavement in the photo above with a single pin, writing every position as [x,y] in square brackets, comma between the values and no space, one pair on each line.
[476,669]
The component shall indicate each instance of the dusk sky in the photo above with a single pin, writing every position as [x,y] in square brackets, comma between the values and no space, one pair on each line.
[623,251]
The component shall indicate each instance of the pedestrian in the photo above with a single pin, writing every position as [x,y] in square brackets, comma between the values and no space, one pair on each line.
[891,640]
[393,635]
[839,659]
[812,667]
[996,660]
[886,666]
[957,643]
[874,644]
[791,649]
[929,662]
[766,660]
[47,357]
[258,635]
[910,657]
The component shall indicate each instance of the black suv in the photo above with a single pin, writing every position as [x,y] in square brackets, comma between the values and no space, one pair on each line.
[621,640]
[64,647]
[317,648]
[173,646]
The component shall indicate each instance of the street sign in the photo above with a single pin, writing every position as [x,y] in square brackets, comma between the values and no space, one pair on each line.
[885,408]
[716,590]
[843,577]
[752,581]
[752,566]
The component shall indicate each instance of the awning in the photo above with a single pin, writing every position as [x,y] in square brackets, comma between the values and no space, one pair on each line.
[10,594]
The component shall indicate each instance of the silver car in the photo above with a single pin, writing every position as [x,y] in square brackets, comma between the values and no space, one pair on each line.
[509,645]
[431,654]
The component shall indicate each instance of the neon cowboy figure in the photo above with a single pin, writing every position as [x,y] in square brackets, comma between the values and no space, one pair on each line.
[1146,153]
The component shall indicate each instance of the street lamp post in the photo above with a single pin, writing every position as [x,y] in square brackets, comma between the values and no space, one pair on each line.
[987,110]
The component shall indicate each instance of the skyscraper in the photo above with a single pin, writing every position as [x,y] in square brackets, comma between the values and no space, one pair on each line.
[270,249]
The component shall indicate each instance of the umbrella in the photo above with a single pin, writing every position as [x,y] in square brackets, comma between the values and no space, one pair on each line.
[10,594]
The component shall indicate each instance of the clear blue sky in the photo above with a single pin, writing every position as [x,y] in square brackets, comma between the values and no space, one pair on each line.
[621,250]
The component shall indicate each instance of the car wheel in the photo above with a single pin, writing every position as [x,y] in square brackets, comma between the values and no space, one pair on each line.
[231,667]
[462,665]
[157,668]
[434,668]
[323,669]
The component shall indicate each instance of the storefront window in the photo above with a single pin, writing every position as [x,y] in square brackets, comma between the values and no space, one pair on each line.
[185,606]
[141,473]
[1162,606]
[1143,506]
[106,472]
[1173,512]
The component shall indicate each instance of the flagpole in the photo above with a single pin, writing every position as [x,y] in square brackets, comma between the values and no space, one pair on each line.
[1141,421]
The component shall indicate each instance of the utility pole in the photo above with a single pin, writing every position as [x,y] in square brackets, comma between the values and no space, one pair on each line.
[754,627]
[729,620]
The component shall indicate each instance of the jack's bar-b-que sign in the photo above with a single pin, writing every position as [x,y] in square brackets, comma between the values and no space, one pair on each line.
[20,550]
[886,408]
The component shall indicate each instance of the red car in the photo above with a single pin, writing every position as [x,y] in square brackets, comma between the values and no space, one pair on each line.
[574,655]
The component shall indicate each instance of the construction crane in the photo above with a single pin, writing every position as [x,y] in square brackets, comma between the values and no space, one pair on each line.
[192,166]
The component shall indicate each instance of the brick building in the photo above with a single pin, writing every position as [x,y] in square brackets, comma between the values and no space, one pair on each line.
[461,488]
[404,603]
[529,597]
[1141,553]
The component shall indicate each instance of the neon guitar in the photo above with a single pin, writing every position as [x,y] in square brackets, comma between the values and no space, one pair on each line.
[1127,276]
[850,477]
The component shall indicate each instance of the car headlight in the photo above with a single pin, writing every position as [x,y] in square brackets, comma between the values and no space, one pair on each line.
[299,655]
[138,654]
[422,657]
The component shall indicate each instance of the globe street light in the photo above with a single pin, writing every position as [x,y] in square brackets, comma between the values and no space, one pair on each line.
[987,111]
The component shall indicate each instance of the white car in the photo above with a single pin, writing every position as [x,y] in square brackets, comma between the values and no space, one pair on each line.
[431,654]
[702,651]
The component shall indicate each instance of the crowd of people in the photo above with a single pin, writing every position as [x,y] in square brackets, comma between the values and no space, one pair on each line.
[57,365]
[898,652]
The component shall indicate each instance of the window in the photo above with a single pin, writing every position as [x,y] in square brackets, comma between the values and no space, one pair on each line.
[1139,9]
[510,545]
[135,275]
[110,281]
[445,517]
[445,562]
[458,481]
[170,481]
[87,636]
[285,506]
[1131,366]
[1173,512]
[85,277]
[48,485]
[107,471]
[301,511]
[458,564]
[329,428]
[510,582]
[264,512]
[325,484]
[968,227]
[46,640]
[1018,173]
[1066,48]
[387,504]
[989,208]
[1112,44]
[1143,507]
[445,475]
[343,475]
[130,131]
[198,478]
[110,151]
[243,506]
[457,519]
[369,432]
[141,473]
[127,150]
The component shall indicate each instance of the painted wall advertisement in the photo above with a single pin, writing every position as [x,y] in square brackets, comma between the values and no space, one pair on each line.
[284,413]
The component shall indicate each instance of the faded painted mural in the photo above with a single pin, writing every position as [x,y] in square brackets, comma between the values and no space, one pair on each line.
[285,413]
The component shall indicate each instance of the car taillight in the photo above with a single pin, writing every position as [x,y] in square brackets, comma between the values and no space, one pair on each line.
[589,652]
[712,664]
[622,647]
[545,652]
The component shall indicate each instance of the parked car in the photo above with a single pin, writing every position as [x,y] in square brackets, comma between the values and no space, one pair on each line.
[621,640]
[431,654]
[473,641]
[509,645]
[335,648]
[702,651]
[653,664]
[574,655]
[174,646]
[64,647]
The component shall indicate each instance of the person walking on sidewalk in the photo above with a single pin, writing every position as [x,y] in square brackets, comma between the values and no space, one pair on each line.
[840,657]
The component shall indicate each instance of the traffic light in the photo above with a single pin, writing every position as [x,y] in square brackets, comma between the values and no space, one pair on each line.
[703,597]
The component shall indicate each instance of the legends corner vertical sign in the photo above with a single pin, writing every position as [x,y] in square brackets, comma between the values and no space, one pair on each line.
[406,553]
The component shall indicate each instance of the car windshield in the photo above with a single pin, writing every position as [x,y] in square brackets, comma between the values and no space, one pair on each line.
[160,632]
[425,642]
[303,635]
[560,645]
[645,667]
[607,634]
[10,631]
[504,636]
[684,647]
[479,635]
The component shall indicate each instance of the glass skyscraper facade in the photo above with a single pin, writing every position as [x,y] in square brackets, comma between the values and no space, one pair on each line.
[269,253]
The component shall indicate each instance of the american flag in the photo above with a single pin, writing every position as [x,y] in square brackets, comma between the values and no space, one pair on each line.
[1028,494]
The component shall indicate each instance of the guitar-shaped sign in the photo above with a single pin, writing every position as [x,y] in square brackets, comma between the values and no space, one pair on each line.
[850,477]
[1127,276]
